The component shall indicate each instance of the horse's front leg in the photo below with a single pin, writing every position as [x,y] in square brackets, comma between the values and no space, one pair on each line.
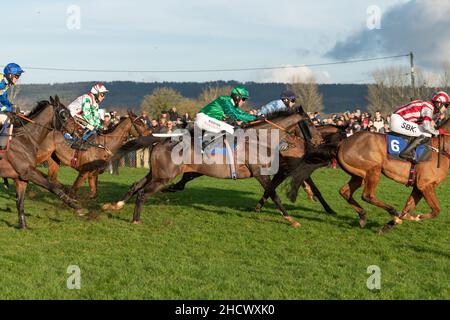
[93,182]
[411,203]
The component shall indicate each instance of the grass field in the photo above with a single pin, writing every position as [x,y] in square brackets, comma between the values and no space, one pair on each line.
[206,243]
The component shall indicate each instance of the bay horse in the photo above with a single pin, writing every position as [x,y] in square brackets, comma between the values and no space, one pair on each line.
[92,162]
[20,160]
[331,134]
[163,169]
[364,157]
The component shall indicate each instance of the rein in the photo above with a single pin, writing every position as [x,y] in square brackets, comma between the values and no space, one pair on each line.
[31,121]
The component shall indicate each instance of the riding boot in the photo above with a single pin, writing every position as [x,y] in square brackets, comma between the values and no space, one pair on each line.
[408,152]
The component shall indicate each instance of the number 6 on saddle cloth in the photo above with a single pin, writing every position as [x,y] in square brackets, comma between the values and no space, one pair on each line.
[397,143]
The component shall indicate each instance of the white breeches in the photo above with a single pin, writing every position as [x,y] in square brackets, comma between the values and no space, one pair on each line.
[207,123]
[407,128]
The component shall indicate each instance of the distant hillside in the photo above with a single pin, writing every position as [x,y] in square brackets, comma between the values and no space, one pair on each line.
[127,94]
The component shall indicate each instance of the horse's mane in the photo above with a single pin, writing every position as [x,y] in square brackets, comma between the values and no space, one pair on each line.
[32,114]
[38,109]
[284,113]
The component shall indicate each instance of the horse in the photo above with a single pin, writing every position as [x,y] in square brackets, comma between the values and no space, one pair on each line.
[92,162]
[364,157]
[163,168]
[331,134]
[19,161]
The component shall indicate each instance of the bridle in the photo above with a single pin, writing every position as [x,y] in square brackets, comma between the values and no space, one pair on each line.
[59,121]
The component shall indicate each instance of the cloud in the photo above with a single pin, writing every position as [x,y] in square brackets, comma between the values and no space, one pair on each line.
[420,26]
[288,75]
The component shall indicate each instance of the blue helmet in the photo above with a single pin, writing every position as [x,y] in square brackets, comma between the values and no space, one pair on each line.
[12,68]
[288,94]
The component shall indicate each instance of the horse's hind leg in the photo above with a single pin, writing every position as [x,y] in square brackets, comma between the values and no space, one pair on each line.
[347,192]
[317,193]
[269,187]
[309,192]
[21,187]
[149,189]
[180,185]
[135,187]
[265,181]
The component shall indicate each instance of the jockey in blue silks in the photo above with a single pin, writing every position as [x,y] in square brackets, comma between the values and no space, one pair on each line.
[9,77]
[11,74]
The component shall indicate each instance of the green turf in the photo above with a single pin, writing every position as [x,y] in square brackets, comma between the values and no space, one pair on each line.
[206,243]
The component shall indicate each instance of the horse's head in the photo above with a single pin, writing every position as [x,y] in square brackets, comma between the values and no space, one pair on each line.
[62,120]
[139,126]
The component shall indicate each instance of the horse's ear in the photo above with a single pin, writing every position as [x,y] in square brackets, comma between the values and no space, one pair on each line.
[52,102]
[57,100]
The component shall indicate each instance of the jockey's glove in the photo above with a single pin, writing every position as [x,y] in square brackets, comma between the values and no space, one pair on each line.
[15,109]
[90,127]
[261,117]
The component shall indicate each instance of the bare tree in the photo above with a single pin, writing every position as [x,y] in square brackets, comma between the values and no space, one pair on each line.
[308,94]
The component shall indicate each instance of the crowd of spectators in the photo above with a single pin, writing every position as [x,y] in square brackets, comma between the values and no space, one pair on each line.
[358,121]
[166,122]
[355,121]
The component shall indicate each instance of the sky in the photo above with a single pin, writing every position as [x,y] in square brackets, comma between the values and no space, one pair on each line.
[175,35]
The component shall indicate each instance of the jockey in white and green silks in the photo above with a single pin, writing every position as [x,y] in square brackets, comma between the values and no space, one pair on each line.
[86,108]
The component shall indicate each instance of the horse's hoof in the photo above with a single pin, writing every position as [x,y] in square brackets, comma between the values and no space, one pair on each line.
[362,223]
[295,224]
[82,212]
[106,206]
[397,220]
[93,196]
[258,208]
[136,222]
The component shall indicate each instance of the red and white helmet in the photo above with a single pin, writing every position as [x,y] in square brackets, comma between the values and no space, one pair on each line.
[441,97]
[98,88]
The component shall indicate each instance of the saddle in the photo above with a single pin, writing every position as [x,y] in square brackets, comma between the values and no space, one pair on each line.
[396,143]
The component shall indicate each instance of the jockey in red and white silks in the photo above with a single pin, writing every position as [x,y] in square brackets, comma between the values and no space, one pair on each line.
[416,118]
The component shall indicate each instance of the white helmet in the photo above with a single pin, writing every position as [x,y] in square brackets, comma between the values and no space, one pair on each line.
[98,88]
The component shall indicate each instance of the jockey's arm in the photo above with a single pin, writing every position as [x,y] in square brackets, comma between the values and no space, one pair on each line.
[5,104]
[427,115]
[237,114]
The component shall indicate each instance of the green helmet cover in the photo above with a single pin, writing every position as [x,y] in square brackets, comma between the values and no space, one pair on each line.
[241,92]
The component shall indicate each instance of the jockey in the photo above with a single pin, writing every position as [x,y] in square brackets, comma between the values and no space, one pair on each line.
[85,110]
[415,119]
[11,74]
[211,117]
[286,101]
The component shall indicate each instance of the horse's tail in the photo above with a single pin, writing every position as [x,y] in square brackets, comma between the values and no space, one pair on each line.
[313,159]
[136,144]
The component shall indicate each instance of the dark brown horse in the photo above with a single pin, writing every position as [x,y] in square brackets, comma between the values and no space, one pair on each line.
[331,134]
[364,157]
[19,162]
[164,169]
[92,162]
